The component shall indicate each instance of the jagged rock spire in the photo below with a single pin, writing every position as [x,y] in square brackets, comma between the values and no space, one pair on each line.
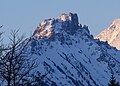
[67,22]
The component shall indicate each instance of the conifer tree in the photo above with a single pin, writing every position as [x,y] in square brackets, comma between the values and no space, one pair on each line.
[113,81]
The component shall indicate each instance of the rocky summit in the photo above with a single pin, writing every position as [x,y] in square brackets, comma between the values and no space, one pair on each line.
[70,56]
[68,22]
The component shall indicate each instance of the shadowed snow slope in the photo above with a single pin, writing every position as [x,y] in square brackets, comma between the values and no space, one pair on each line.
[72,56]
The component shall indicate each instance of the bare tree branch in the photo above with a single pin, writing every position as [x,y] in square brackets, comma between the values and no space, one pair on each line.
[15,64]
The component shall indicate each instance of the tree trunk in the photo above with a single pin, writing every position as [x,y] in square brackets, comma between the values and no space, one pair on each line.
[14,81]
[8,82]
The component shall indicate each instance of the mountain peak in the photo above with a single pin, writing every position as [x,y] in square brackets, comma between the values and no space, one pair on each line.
[116,21]
[71,56]
[69,17]
[64,22]
[111,34]
[115,24]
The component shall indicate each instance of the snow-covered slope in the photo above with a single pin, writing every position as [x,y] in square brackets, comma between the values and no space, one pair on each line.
[72,56]
[111,34]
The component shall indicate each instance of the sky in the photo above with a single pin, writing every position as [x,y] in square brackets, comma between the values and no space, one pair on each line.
[27,14]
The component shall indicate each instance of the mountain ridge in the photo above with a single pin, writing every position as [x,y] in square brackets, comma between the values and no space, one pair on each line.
[68,22]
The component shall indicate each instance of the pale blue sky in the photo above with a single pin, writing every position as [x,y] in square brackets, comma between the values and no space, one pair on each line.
[27,14]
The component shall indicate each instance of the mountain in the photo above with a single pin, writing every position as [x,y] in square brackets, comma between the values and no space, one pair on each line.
[111,34]
[69,55]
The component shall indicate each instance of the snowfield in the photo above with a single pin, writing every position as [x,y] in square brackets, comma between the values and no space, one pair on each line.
[71,54]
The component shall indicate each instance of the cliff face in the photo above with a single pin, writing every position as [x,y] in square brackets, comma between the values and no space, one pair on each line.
[67,22]
[111,34]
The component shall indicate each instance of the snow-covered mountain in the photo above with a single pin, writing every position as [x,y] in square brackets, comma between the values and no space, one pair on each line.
[111,34]
[70,56]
